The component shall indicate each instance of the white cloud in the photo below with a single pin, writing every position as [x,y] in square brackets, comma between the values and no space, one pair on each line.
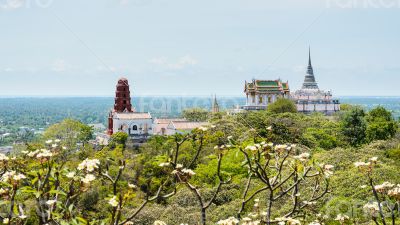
[180,63]
[158,61]
[60,65]
[12,4]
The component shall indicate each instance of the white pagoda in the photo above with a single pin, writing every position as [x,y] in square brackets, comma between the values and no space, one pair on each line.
[311,99]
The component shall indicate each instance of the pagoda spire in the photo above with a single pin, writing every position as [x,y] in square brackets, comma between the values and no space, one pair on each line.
[309,80]
[310,68]
[215,106]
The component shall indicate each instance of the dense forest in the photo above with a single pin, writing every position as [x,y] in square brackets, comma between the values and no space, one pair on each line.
[266,167]
[22,119]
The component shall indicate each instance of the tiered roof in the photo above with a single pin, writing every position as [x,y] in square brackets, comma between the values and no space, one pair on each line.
[267,86]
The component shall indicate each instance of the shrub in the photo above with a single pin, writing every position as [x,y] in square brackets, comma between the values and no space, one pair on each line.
[282,105]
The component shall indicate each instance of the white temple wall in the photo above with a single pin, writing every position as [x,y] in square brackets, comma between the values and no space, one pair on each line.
[317,107]
[140,123]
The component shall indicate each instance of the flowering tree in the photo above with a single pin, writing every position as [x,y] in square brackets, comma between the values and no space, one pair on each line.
[57,186]
[183,173]
[283,173]
[386,195]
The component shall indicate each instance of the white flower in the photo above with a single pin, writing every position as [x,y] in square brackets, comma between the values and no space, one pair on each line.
[44,153]
[32,154]
[70,175]
[362,164]
[302,157]
[113,201]
[179,166]
[246,219]
[373,159]
[89,164]
[159,222]
[395,192]
[22,216]
[329,167]
[341,218]
[7,176]
[383,187]
[363,186]
[57,141]
[291,221]
[328,170]
[132,186]
[54,145]
[314,223]
[230,137]
[188,172]
[6,220]
[49,141]
[165,164]
[2,191]
[281,147]
[252,148]
[203,128]
[51,202]
[309,203]
[3,157]
[372,206]
[19,177]
[229,221]
[88,178]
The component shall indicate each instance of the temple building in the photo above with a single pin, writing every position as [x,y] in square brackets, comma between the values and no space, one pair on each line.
[124,118]
[311,99]
[261,93]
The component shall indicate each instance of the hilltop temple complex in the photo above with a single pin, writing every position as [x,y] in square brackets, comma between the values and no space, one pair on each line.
[123,118]
[259,95]
[141,125]
[311,99]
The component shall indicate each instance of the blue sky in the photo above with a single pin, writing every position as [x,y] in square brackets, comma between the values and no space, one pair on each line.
[187,47]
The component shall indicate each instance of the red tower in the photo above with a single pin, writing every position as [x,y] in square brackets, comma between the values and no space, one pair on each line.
[122,102]
[123,97]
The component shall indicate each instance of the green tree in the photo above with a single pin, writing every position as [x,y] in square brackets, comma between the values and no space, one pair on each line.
[381,125]
[354,126]
[282,105]
[119,138]
[195,114]
[70,132]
